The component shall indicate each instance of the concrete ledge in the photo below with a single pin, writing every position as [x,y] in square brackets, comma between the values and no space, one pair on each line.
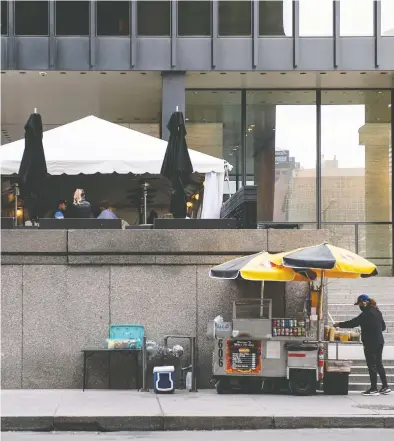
[330,422]
[111,260]
[167,241]
[109,424]
[34,241]
[181,423]
[27,424]
[284,240]
[23,259]
[217,423]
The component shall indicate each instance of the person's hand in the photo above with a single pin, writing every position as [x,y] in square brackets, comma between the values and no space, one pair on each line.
[336,325]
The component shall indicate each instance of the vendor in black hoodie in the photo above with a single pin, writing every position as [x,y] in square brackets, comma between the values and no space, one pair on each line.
[372,326]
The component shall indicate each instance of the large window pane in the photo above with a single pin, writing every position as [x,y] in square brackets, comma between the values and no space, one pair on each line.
[388,18]
[214,127]
[4,17]
[113,18]
[72,18]
[356,163]
[235,18]
[275,17]
[194,18]
[316,18]
[281,154]
[356,18]
[154,18]
[31,18]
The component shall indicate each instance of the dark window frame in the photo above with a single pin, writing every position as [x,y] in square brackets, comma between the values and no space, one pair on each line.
[114,35]
[219,35]
[272,35]
[196,35]
[72,35]
[7,25]
[155,35]
[31,35]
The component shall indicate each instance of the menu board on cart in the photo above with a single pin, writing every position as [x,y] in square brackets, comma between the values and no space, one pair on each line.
[243,357]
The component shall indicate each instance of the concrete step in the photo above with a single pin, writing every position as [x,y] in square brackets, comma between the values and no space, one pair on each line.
[364,378]
[363,386]
[361,363]
[363,370]
[387,308]
[350,299]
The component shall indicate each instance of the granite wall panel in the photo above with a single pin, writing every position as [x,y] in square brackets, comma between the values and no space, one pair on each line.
[11,326]
[65,309]
[162,298]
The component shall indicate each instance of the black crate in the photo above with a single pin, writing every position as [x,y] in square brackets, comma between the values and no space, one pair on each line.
[336,383]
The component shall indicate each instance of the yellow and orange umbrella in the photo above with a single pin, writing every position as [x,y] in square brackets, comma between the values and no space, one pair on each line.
[325,260]
[256,267]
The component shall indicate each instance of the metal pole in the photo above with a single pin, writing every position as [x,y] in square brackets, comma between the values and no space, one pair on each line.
[194,360]
[16,206]
[145,200]
[144,366]
[318,161]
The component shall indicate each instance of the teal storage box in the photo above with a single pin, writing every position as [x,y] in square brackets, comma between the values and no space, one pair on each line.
[127,332]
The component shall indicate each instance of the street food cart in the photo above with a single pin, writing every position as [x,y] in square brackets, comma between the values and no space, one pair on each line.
[255,351]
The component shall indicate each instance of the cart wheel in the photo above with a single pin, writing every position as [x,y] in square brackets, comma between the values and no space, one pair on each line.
[303,382]
[222,387]
[269,386]
[252,387]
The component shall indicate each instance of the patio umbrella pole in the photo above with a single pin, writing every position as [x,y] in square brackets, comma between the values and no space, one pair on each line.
[320,312]
[16,204]
[145,201]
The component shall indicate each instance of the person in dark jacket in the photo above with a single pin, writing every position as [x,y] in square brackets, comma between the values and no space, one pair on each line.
[372,326]
[81,207]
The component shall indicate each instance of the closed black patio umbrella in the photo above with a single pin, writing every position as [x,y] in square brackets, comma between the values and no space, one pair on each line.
[33,168]
[177,165]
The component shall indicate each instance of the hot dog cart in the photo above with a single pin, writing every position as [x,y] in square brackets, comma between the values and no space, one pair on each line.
[255,351]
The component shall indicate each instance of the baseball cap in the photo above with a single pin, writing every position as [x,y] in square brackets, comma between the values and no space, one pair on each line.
[362,298]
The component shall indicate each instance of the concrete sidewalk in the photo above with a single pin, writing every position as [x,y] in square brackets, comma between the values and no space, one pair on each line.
[98,410]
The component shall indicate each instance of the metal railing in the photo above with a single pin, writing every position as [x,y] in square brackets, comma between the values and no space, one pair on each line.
[354,236]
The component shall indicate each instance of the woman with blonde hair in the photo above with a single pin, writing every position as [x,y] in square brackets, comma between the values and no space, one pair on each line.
[81,207]
[372,326]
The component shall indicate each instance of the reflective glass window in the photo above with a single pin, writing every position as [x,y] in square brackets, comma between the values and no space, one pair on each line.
[214,127]
[275,18]
[387,18]
[194,18]
[356,171]
[356,18]
[316,18]
[281,154]
[235,18]
[154,18]
[31,18]
[72,18]
[4,17]
[113,18]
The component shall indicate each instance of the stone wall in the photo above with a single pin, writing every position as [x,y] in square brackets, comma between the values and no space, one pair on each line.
[62,289]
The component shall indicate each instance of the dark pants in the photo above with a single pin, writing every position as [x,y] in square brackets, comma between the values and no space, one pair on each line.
[373,356]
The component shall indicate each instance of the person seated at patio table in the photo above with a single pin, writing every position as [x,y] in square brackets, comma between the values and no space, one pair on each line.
[61,208]
[81,208]
[106,211]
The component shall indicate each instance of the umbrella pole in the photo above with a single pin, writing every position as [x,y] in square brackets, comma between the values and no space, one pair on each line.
[320,312]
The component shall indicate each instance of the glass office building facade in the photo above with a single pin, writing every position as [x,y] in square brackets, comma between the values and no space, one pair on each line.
[296,95]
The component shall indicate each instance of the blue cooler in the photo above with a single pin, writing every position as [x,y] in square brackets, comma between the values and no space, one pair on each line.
[163,379]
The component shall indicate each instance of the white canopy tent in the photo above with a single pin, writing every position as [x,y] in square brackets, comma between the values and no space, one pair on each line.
[92,145]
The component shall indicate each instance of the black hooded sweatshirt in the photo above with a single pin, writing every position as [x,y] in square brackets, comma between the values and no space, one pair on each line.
[372,326]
